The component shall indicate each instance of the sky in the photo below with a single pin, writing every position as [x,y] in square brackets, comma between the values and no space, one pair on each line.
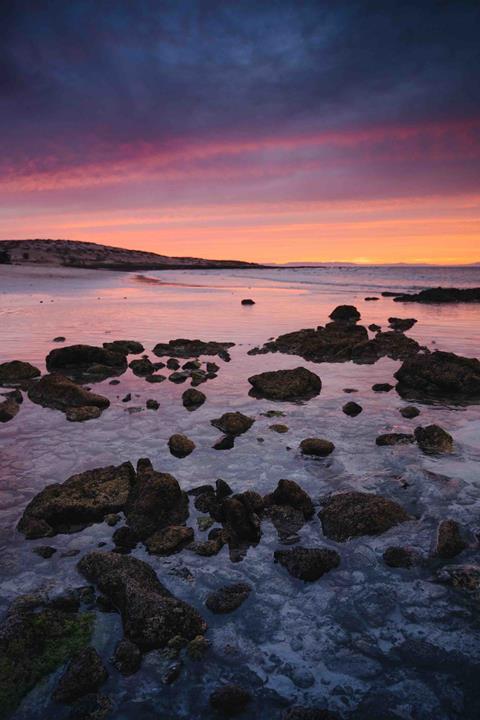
[264,131]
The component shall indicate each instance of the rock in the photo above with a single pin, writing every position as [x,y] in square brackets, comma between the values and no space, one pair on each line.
[304,713]
[208,548]
[81,414]
[394,345]
[352,514]
[388,293]
[395,439]
[316,447]
[182,348]
[442,295]
[371,298]
[127,658]
[142,367]
[81,500]
[8,409]
[198,647]
[152,404]
[16,372]
[192,365]
[192,399]
[228,598]
[241,520]
[44,551]
[151,615]
[226,442]
[181,445]
[382,387]
[345,313]
[278,428]
[296,384]
[179,376]
[440,376]
[273,413]
[127,398]
[170,540]
[85,673]
[155,502]
[233,423]
[307,564]
[352,409]
[374,327]
[205,523]
[230,700]
[79,361]
[126,347]
[350,390]
[433,439]
[409,412]
[93,706]
[401,557]
[401,324]
[59,338]
[222,489]
[155,378]
[125,538]
[248,301]
[112,519]
[61,393]
[286,520]
[288,492]
[466,577]
[14,395]
[449,540]
[173,364]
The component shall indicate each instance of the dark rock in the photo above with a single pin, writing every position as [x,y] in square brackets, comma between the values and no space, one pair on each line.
[79,361]
[332,343]
[126,347]
[155,378]
[278,428]
[397,556]
[112,519]
[273,413]
[374,328]
[439,375]
[394,345]
[395,439]
[198,647]
[142,367]
[152,404]
[241,520]
[223,489]
[225,443]
[179,376]
[212,367]
[248,301]
[173,364]
[61,393]
[288,492]
[228,598]
[192,348]
[81,500]
[85,673]
[8,409]
[401,324]
[44,551]
[59,338]
[16,372]
[371,298]
[287,521]
[352,409]
[14,395]
[350,390]
[449,540]
[233,423]
[351,514]
[433,439]
[81,414]
[230,700]
[127,658]
[345,313]
[307,564]
[200,376]
[169,540]
[304,713]
[465,576]
[388,293]
[382,387]
[442,295]
[181,445]
[192,365]
[151,615]
[210,547]
[409,412]
[93,706]
[192,399]
[127,398]
[316,447]
[296,384]
[125,538]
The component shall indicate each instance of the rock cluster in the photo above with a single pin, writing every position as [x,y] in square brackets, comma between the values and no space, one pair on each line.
[439,376]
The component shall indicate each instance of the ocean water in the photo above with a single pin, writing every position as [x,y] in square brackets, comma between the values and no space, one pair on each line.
[365,640]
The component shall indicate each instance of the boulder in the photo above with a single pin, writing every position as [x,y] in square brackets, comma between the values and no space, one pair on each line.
[401,324]
[81,361]
[81,414]
[181,445]
[345,313]
[318,447]
[61,393]
[125,539]
[434,439]
[169,540]
[395,439]
[85,673]
[182,348]
[83,499]
[141,367]
[151,615]
[226,442]
[228,598]
[16,372]
[172,364]
[233,423]
[296,384]
[397,556]
[288,492]
[352,409]
[439,376]
[127,657]
[8,409]
[152,404]
[126,347]
[352,514]
[382,387]
[307,564]
[449,542]
[409,412]
[192,398]
[230,700]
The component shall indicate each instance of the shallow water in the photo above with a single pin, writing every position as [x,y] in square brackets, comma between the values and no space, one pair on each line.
[348,642]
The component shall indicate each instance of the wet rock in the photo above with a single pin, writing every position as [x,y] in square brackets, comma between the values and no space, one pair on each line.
[173,364]
[151,615]
[8,409]
[127,658]
[192,398]
[395,439]
[85,673]
[14,395]
[61,393]
[296,384]
[181,445]
[155,501]
[350,390]
[371,298]
[352,409]
[112,519]
[233,423]
[198,377]
[79,361]
[241,518]
[345,313]
[44,551]
[286,520]
[179,376]
[304,713]
[142,367]
[317,447]
[211,547]
[198,647]
[81,414]
[397,556]
[374,327]
[442,295]
[307,564]
[449,540]
[248,301]
[59,338]
[83,499]
[433,439]
[382,387]
[192,365]
[125,538]
[205,523]
[409,412]
[155,378]
[182,348]
[152,404]
[465,577]
[222,489]
[401,324]
[439,375]
[212,367]
[16,372]
[126,347]
[228,598]
[170,540]
[278,428]
[288,492]
[225,443]
[394,345]
[127,398]
[230,700]
[351,514]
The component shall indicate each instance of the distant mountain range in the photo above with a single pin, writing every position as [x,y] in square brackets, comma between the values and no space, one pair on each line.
[71,253]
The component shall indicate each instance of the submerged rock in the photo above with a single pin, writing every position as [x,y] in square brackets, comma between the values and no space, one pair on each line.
[308,564]
[287,521]
[16,372]
[351,514]
[151,615]
[401,324]
[395,439]
[465,577]
[85,673]
[434,439]
[81,414]
[397,556]
[278,428]
[409,412]
[230,700]
[233,423]
[181,445]
[296,384]
[182,348]
[317,447]
[8,409]
[86,360]
[228,598]
[192,398]
[127,658]
[61,393]
[439,375]
[352,409]
[83,499]
[449,542]
[170,540]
